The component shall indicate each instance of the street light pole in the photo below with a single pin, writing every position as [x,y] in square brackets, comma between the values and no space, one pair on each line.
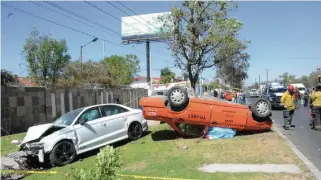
[94,40]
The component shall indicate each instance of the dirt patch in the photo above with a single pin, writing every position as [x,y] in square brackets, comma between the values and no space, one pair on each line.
[135,166]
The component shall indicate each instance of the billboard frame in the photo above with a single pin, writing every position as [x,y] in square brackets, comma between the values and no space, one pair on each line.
[139,40]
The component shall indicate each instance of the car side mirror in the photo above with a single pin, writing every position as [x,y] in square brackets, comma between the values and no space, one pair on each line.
[82,121]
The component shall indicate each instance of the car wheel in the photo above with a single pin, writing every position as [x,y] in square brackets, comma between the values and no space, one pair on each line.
[135,131]
[177,96]
[261,108]
[63,153]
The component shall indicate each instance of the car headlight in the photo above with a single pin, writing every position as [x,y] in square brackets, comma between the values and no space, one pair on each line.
[35,145]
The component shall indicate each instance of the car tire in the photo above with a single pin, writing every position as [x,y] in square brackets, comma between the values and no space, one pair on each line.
[63,153]
[177,97]
[262,108]
[135,131]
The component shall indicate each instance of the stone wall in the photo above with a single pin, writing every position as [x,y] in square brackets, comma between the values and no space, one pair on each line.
[22,107]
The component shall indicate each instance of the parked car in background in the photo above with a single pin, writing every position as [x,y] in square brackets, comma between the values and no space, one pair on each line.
[79,131]
[273,95]
[254,93]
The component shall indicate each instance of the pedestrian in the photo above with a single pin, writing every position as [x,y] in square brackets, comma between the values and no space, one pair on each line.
[316,107]
[244,98]
[297,98]
[222,95]
[215,94]
[288,101]
[306,98]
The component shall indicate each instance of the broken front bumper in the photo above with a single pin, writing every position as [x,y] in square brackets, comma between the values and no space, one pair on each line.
[29,154]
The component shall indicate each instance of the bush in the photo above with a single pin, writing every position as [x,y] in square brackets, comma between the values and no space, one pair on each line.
[106,166]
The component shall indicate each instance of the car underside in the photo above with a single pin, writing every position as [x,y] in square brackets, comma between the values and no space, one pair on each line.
[191,116]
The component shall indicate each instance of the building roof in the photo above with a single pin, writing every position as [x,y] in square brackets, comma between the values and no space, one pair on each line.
[24,81]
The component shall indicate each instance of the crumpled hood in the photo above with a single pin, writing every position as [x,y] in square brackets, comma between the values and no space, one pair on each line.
[35,132]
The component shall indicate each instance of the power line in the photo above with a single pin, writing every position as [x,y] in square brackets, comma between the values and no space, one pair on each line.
[126,13]
[84,10]
[135,13]
[68,16]
[110,15]
[17,9]
[132,18]
[81,17]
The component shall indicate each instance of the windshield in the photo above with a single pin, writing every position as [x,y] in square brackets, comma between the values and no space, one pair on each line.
[253,90]
[279,90]
[301,89]
[68,118]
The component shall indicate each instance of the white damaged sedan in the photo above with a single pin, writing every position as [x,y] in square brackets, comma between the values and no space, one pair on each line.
[79,131]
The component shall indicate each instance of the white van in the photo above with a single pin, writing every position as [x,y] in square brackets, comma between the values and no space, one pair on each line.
[300,87]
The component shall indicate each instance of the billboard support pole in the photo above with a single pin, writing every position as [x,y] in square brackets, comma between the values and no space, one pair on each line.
[148,62]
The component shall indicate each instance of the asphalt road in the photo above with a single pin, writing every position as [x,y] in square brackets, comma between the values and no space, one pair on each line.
[306,140]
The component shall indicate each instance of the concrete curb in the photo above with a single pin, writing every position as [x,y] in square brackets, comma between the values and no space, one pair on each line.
[314,170]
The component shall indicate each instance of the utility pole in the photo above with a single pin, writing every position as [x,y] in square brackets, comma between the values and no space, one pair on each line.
[259,79]
[267,76]
[267,79]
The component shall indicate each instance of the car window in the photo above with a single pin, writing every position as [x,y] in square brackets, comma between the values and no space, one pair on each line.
[112,110]
[68,118]
[91,114]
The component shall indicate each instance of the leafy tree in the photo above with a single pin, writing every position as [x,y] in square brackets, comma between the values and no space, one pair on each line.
[286,79]
[167,75]
[234,69]
[214,85]
[313,77]
[72,75]
[46,57]
[198,30]
[305,80]
[122,69]
[8,77]
[111,72]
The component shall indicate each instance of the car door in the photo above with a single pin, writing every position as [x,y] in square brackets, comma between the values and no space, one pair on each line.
[114,123]
[88,133]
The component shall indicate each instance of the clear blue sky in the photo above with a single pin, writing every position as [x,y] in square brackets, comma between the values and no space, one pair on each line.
[279,31]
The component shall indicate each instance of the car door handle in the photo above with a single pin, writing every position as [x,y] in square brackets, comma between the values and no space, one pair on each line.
[103,124]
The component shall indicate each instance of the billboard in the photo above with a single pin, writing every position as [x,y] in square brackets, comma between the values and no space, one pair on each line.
[142,27]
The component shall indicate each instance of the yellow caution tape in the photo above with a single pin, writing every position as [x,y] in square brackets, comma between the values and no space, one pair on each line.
[150,177]
[28,172]
[122,175]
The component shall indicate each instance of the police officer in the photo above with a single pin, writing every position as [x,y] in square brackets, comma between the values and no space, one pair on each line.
[288,101]
[316,107]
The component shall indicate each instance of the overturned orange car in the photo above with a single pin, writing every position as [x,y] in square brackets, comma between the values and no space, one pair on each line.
[192,116]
